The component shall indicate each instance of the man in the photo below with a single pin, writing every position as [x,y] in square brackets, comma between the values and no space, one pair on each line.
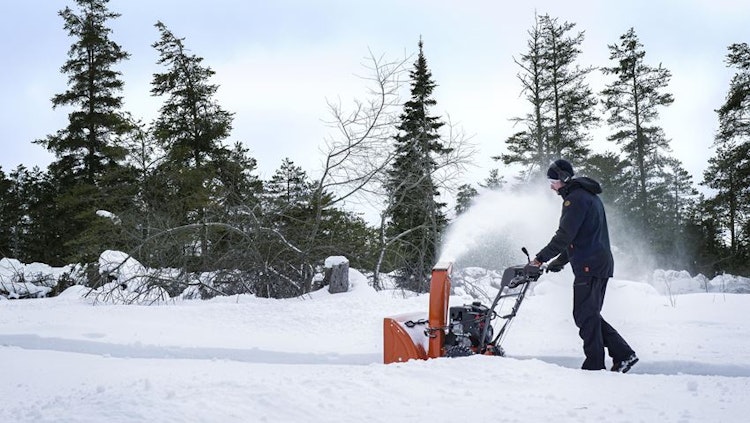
[582,239]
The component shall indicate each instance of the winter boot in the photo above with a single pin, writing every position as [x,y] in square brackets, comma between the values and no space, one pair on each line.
[625,365]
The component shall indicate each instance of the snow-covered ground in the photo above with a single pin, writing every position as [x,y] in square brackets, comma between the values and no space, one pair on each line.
[318,358]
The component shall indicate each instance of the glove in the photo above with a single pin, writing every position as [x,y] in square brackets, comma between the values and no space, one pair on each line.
[554,266]
[532,269]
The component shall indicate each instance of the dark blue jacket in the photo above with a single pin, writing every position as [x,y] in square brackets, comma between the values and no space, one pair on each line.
[582,237]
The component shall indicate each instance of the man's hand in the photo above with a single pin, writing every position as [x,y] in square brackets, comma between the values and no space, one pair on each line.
[555,266]
[532,268]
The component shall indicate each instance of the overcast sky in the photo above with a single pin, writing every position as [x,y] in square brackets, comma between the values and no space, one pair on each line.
[278,61]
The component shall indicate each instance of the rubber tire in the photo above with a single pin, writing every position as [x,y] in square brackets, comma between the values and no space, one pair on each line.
[496,350]
[458,351]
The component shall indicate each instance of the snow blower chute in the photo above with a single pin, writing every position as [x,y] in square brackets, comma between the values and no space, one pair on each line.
[456,331]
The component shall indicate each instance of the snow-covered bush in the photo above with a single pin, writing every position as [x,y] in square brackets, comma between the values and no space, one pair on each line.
[35,280]
[126,281]
[674,282]
[730,284]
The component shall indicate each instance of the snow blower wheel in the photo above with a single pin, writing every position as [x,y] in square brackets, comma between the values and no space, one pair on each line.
[458,351]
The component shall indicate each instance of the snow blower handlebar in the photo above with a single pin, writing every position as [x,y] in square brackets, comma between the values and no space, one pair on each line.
[531,270]
[522,273]
[513,277]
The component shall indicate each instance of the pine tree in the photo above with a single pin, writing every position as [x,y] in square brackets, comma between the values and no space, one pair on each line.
[704,240]
[561,100]
[632,101]
[729,168]
[416,215]
[530,145]
[88,150]
[572,102]
[677,202]
[610,171]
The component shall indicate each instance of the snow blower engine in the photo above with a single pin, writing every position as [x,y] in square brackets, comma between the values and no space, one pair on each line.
[461,330]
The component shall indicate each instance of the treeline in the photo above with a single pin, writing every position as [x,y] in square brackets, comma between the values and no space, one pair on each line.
[175,193]
[651,197]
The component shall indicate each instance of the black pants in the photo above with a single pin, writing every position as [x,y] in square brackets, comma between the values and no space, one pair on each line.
[596,333]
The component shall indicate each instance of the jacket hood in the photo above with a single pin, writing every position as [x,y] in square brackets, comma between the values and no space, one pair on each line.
[586,183]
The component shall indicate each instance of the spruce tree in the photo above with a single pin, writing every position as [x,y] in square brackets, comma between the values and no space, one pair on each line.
[416,215]
[288,189]
[143,158]
[9,216]
[88,146]
[41,224]
[191,127]
[88,150]
[281,240]
[191,124]
[728,179]
[238,187]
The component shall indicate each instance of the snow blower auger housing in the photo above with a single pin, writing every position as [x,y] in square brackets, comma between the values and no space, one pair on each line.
[461,330]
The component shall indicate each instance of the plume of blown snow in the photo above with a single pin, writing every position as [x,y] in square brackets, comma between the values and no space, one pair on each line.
[491,233]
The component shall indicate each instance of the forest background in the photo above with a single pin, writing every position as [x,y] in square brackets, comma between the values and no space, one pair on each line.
[176,192]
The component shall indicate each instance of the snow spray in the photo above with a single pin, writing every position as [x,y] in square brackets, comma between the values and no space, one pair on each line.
[492,231]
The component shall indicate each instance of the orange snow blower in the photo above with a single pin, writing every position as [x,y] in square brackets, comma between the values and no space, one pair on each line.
[459,331]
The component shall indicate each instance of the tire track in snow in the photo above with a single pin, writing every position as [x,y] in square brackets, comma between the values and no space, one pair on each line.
[252,355]
[256,355]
